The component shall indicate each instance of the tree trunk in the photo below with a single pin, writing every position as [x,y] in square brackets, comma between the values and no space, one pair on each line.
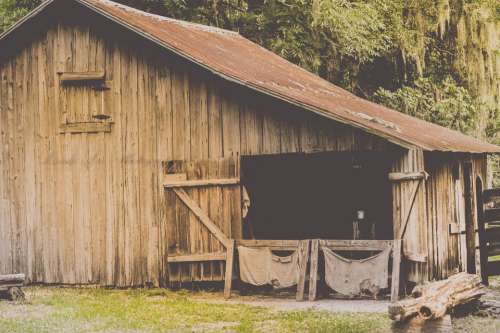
[12,280]
[434,300]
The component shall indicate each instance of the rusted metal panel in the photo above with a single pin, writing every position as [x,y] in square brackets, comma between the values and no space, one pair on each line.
[235,58]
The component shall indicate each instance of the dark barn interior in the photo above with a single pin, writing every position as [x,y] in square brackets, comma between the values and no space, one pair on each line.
[306,196]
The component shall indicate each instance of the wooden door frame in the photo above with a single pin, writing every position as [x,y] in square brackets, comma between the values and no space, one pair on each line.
[483,251]
[470,220]
[203,218]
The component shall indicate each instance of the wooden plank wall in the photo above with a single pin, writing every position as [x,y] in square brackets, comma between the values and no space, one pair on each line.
[445,208]
[444,249]
[222,203]
[83,208]
[415,238]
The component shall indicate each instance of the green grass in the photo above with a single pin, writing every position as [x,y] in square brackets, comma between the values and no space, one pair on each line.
[157,310]
[494,258]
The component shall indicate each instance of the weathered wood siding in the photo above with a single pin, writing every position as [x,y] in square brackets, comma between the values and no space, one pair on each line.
[90,207]
[415,237]
[442,206]
[438,214]
[446,210]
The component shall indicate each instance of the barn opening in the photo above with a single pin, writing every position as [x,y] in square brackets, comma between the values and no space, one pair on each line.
[321,195]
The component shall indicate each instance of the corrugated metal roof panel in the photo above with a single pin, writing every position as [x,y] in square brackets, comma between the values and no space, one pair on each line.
[233,57]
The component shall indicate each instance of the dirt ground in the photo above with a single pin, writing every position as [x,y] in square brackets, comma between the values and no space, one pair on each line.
[50,309]
[328,305]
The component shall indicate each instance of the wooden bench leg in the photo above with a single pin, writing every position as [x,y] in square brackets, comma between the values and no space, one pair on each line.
[303,253]
[313,273]
[396,269]
[228,279]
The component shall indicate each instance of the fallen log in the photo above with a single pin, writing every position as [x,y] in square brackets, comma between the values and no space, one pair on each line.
[12,280]
[10,286]
[435,299]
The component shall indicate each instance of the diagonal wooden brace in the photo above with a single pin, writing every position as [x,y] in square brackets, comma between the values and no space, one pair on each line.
[202,216]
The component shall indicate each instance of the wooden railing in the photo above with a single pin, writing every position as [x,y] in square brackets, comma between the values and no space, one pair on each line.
[357,245]
[312,255]
[490,240]
[302,248]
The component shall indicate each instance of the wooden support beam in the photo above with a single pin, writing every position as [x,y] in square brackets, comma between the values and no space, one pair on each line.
[491,215]
[202,182]
[416,257]
[313,271]
[356,245]
[228,277]
[202,216]
[303,253]
[197,257]
[490,194]
[68,77]
[401,176]
[85,127]
[174,178]
[284,245]
[396,269]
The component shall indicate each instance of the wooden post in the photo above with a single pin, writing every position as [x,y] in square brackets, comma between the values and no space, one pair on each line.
[303,253]
[313,274]
[228,279]
[396,269]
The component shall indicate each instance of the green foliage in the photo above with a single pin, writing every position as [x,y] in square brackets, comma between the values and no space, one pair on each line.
[444,103]
[332,38]
[12,10]
[361,30]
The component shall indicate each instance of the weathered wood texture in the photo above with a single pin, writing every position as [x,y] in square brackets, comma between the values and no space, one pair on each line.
[12,279]
[479,174]
[447,252]
[439,208]
[435,299]
[90,207]
[410,212]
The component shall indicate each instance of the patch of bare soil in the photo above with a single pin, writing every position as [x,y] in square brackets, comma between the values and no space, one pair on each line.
[485,317]
[288,303]
[22,311]
[490,303]
[215,327]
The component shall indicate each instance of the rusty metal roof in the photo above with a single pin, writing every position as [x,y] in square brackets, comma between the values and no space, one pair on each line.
[235,58]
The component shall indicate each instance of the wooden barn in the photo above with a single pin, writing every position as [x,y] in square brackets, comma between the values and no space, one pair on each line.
[140,150]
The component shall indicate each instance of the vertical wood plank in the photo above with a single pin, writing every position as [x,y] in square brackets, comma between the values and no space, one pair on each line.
[303,253]
[271,133]
[313,271]
[396,269]
[230,127]
[30,176]
[163,105]
[228,277]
